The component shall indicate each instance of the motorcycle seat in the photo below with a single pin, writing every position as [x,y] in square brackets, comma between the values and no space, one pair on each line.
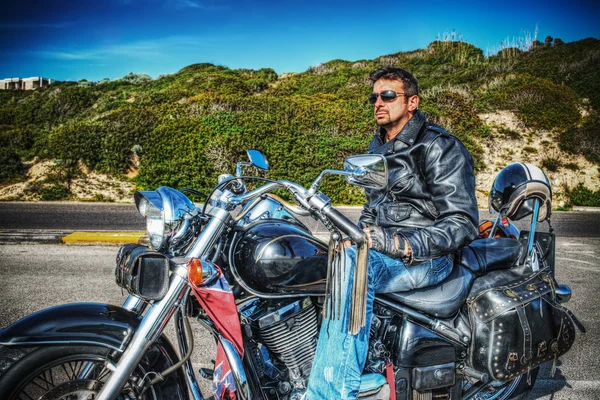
[442,300]
[485,255]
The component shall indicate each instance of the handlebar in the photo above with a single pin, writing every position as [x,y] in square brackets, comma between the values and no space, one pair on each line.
[345,225]
[309,201]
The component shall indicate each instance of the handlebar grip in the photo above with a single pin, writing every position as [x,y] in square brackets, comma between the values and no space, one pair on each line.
[345,225]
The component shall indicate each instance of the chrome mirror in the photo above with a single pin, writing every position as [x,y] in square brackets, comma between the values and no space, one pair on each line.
[367,170]
[258,159]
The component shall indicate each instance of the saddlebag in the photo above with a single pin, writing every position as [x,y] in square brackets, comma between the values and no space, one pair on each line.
[142,272]
[518,326]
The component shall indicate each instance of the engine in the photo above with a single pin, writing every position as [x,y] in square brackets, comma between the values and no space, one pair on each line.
[282,339]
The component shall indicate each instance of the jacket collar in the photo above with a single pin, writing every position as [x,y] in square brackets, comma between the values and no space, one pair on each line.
[408,134]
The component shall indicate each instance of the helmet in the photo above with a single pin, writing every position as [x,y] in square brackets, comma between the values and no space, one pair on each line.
[517,187]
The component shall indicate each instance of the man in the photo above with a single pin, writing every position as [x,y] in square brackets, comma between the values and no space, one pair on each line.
[427,212]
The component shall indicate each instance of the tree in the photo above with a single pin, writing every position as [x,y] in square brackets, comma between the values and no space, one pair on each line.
[558,42]
[548,41]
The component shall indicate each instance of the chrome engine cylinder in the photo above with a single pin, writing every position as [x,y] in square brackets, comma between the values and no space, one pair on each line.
[289,332]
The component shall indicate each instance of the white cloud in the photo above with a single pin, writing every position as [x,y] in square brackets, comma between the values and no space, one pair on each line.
[144,49]
[188,3]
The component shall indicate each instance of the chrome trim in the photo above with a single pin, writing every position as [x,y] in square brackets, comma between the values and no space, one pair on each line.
[236,364]
[150,329]
[51,342]
[493,230]
[176,209]
[367,170]
[237,368]
[188,368]
[150,196]
[563,293]
[268,207]
[284,312]
[209,235]
[135,304]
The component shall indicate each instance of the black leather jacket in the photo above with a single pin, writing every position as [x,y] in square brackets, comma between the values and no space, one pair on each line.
[430,197]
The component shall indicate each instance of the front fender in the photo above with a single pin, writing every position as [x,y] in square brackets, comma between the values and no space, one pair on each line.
[79,323]
[93,324]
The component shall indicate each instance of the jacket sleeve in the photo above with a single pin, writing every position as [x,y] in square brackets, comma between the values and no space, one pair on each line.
[448,173]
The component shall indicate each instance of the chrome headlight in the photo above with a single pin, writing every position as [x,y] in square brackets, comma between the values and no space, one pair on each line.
[168,213]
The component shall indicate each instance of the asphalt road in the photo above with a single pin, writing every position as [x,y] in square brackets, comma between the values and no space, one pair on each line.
[33,277]
[38,276]
[69,216]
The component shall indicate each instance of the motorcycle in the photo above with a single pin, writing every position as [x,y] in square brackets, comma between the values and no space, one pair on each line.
[247,269]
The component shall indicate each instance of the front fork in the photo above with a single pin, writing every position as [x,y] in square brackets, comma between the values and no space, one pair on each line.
[149,330]
[159,313]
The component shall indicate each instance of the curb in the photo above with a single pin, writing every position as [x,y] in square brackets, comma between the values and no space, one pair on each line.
[31,236]
[106,237]
[586,209]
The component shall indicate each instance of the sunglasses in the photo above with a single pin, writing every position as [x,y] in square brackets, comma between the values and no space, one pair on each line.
[386,96]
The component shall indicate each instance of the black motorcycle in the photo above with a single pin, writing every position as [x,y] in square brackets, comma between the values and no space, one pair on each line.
[246,268]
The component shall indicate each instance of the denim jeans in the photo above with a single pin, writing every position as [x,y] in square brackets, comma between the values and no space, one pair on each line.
[340,357]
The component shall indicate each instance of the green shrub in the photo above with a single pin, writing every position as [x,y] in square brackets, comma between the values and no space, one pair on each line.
[584,140]
[580,195]
[11,168]
[53,192]
[509,133]
[455,112]
[551,164]
[541,103]
[573,64]
[572,166]
[101,198]
[45,191]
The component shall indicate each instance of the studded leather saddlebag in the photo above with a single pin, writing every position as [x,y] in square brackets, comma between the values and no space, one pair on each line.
[518,326]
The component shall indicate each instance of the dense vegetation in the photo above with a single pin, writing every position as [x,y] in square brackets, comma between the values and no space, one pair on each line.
[184,129]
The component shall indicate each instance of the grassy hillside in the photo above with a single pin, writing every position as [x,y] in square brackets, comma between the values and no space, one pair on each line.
[184,129]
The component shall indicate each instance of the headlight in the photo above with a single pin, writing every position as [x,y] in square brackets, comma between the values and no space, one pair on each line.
[168,213]
[155,225]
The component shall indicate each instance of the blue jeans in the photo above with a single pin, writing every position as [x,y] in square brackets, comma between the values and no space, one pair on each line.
[340,357]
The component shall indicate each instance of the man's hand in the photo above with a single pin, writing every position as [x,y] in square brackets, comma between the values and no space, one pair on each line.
[385,241]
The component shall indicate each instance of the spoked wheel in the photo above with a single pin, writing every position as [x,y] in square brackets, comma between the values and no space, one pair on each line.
[60,373]
[517,389]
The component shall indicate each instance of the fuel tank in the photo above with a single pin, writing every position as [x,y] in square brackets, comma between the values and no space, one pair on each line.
[274,255]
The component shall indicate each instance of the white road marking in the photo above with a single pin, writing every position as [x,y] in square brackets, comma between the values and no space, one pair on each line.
[573,259]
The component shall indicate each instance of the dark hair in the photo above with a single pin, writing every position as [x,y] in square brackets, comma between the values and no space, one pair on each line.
[411,86]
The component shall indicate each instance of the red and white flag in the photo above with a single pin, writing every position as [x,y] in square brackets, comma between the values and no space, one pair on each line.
[218,302]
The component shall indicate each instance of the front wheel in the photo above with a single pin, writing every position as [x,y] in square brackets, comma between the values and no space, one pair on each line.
[60,373]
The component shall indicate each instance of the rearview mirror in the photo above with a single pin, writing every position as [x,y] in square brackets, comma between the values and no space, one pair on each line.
[258,159]
[367,170]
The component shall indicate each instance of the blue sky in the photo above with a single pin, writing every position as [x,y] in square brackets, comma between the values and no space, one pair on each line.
[73,40]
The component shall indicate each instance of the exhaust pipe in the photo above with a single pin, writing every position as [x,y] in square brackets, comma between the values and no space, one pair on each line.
[563,293]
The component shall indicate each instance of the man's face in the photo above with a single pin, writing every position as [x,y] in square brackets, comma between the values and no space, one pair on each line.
[393,115]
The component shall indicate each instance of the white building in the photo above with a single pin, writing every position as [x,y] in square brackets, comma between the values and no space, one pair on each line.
[35,82]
